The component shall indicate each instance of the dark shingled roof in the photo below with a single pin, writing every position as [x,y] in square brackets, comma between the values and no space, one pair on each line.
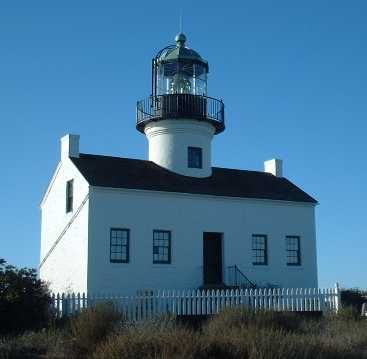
[117,172]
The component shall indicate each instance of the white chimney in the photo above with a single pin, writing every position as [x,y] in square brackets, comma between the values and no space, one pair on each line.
[274,166]
[69,146]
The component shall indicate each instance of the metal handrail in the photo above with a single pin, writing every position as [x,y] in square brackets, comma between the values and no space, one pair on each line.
[171,106]
[240,279]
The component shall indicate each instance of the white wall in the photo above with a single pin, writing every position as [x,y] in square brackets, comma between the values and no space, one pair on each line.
[188,216]
[66,265]
[169,140]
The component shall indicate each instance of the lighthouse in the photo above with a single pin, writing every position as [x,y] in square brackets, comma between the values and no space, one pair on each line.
[179,119]
[112,224]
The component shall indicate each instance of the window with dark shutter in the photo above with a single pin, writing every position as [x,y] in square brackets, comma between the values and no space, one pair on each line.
[195,157]
[259,249]
[161,247]
[69,195]
[119,245]
[293,250]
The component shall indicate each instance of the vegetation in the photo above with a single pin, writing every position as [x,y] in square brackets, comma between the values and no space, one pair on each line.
[235,333]
[91,327]
[28,330]
[24,300]
[353,298]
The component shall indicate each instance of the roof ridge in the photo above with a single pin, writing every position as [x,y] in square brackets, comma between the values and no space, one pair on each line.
[117,157]
[241,170]
[142,160]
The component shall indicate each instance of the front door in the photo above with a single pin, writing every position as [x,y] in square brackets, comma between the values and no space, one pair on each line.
[212,258]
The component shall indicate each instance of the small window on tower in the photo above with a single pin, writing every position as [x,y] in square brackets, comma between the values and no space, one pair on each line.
[195,157]
[69,195]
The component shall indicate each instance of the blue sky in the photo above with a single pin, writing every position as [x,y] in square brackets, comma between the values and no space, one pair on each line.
[292,74]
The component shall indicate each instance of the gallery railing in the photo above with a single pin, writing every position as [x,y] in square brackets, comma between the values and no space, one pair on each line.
[183,106]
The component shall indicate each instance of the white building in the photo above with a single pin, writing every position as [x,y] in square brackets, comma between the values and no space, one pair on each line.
[119,225]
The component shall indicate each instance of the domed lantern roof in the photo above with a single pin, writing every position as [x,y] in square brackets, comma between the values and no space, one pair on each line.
[180,52]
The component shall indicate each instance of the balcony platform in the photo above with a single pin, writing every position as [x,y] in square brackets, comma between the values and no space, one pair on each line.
[180,106]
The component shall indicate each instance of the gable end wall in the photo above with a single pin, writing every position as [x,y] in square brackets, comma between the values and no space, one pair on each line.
[64,257]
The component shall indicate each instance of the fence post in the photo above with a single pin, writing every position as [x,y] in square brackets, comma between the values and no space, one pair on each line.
[58,313]
[63,305]
[338,303]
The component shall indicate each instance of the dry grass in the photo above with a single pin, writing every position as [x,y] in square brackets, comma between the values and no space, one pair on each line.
[136,343]
[241,333]
[242,317]
[91,327]
[32,345]
[235,333]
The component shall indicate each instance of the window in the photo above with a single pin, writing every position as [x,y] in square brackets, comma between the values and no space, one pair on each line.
[119,245]
[69,195]
[161,247]
[293,250]
[195,157]
[259,249]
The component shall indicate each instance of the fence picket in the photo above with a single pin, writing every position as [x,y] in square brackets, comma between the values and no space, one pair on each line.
[327,299]
[250,300]
[58,314]
[198,302]
[203,302]
[246,298]
[207,301]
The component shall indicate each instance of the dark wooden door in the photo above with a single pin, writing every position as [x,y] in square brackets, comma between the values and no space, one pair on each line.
[212,258]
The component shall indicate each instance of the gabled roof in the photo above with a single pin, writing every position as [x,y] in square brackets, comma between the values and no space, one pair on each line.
[118,172]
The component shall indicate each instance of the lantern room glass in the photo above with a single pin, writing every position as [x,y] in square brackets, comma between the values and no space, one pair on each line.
[181,78]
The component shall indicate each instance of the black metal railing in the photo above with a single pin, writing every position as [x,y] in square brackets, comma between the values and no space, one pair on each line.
[236,278]
[184,106]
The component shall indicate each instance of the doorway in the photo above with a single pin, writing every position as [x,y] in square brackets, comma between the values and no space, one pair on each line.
[212,258]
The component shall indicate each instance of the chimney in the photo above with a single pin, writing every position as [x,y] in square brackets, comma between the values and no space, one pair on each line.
[69,146]
[274,166]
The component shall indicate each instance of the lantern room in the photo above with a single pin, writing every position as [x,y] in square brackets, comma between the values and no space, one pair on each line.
[180,89]
[178,69]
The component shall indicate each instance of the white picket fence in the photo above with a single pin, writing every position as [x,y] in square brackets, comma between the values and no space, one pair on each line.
[203,302]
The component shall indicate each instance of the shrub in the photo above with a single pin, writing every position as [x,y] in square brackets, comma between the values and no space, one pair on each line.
[268,344]
[92,326]
[353,298]
[45,344]
[346,328]
[240,317]
[159,338]
[234,343]
[349,313]
[24,300]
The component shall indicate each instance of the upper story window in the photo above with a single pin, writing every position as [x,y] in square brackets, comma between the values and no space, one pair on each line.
[259,249]
[161,247]
[119,245]
[69,196]
[293,249]
[195,157]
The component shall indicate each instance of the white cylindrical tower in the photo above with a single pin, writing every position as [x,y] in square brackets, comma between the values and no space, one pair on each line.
[179,119]
[173,143]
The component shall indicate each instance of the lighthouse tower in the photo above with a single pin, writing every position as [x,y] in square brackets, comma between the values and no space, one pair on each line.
[179,119]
